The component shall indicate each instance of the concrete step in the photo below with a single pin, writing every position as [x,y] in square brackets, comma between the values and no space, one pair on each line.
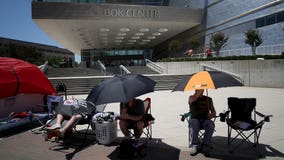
[84,85]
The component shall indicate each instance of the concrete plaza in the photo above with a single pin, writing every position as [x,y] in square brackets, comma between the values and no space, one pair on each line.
[170,135]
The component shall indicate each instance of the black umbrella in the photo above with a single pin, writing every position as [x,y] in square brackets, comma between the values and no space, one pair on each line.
[121,89]
[207,80]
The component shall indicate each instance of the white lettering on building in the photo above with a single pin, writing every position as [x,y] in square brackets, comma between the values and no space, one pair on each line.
[137,13]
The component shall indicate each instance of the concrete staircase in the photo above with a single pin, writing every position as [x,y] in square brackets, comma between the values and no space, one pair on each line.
[115,70]
[72,72]
[141,70]
[82,80]
[83,85]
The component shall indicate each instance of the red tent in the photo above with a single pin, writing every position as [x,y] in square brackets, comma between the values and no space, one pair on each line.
[18,76]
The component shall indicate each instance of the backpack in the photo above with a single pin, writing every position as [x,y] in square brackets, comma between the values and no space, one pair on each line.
[61,87]
[128,151]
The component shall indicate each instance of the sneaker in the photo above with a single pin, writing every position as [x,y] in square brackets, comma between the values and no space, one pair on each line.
[127,138]
[59,132]
[193,150]
[54,126]
[206,150]
[137,143]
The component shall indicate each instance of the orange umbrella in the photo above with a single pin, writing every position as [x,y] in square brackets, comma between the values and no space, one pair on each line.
[206,80]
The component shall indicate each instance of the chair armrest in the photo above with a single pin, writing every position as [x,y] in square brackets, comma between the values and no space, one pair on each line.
[184,116]
[148,117]
[223,116]
[265,117]
[215,117]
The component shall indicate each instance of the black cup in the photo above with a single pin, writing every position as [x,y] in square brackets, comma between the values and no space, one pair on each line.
[222,117]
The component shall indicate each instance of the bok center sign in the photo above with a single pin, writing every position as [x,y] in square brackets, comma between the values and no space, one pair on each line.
[138,13]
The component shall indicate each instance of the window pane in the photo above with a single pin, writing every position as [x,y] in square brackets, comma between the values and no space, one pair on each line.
[280,17]
[260,22]
[271,19]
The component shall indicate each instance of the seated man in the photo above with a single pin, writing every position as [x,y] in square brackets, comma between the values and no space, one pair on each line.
[202,111]
[131,116]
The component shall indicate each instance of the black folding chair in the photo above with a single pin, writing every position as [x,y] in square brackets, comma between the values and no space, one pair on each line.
[148,120]
[87,109]
[186,116]
[241,118]
[92,110]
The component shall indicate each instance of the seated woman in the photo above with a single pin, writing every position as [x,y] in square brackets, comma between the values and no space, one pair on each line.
[131,116]
[81,110]
[57,127]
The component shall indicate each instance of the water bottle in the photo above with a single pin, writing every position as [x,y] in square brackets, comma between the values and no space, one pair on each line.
[44,134]
[30,115]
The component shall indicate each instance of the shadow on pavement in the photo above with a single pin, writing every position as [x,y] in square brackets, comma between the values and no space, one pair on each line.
[75,143]
[221,150]
[155,149]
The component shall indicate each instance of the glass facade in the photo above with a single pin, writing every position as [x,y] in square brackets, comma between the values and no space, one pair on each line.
[131,2]
[116,57]
[270,19]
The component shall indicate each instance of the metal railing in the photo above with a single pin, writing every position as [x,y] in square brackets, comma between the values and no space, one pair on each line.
[154,66]
[236,76]
[276,49]
[123,70]
[43,67]
[102,67]
[261,50]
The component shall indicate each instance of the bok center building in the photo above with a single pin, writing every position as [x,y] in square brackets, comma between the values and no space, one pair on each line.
[117,32]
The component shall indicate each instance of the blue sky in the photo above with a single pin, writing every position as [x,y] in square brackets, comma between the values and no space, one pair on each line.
[16,23]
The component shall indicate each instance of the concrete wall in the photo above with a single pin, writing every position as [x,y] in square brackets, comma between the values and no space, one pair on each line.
[255,73]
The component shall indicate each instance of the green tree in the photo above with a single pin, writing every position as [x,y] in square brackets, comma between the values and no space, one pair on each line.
[254,39]
[25,53]
[218,41]
[174,46]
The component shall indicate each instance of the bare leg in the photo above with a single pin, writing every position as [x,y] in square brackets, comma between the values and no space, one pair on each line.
[139,125]
[124,127]
[57,125]
[59,119]
[71,122]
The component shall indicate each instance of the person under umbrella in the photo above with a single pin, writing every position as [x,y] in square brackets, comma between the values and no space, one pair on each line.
[124,89]
[202,111]
[131,116]
[201,107]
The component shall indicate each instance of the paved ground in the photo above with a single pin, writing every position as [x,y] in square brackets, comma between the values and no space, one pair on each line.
[170,134]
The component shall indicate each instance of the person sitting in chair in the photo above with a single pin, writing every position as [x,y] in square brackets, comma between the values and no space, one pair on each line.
[80,111]
[202,111]
[131,116]
[57,127]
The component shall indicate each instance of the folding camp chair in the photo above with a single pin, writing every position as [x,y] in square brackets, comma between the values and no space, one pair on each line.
[86,119]
[186,116]
[239,118]
[148,120]
[52,102]
[92,110]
